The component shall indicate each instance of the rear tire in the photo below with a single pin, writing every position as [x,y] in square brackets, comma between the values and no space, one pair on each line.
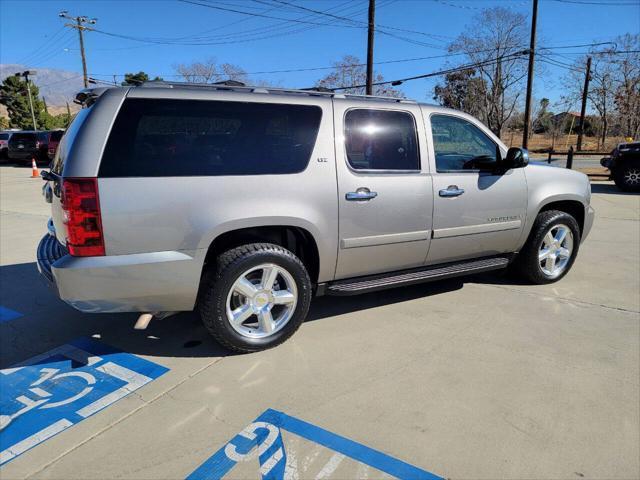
[255,298]
[627,178]
[551,248]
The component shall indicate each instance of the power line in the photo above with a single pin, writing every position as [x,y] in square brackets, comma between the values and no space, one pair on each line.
[232,38]
[55,47]
[37,50]
[543,51]
[399,81]
[609,4]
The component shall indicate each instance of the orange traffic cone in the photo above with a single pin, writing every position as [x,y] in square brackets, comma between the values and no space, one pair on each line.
[34,169]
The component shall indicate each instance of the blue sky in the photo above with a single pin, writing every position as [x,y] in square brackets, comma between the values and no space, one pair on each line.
[44,42]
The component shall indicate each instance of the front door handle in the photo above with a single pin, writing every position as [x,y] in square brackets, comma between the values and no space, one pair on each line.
[451,191]
[361,193]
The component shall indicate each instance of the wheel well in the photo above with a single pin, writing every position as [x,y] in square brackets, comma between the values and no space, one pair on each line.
[572,207]
[295,239]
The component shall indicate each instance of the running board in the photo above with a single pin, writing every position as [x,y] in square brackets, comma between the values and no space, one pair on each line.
[371,283]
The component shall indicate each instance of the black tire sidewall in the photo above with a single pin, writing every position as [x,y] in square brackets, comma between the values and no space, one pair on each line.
[545,222]
[619,179]
[224,280]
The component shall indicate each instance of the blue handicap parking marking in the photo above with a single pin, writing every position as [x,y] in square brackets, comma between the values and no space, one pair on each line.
[7,314]
[49,393]
[261,443]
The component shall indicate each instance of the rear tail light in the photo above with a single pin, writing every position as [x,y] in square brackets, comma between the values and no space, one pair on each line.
[81,206]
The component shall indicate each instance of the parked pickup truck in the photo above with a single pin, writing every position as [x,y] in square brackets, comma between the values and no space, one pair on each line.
[245,202]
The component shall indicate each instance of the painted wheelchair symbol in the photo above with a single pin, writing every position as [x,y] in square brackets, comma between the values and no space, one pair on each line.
[45,398]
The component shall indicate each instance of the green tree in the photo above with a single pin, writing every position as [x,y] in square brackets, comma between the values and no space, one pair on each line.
[543,118]
[4,123]
[137,78]
[462,90]
[13,95]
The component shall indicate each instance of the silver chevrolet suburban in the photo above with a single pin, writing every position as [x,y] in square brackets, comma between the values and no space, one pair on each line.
[245,202]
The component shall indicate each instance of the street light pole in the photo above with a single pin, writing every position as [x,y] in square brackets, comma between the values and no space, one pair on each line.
[26,77]
[79,25]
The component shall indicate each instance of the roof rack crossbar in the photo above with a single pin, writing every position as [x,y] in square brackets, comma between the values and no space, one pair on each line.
[259,89]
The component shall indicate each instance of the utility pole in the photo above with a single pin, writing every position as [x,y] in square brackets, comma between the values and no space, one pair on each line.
[372,15]
[81,27]
[26,77]
[532,52]
[583,110]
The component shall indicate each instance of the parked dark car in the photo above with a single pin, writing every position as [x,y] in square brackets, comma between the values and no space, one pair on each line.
[624,164]
[4,144]
[54,140]
[25,145]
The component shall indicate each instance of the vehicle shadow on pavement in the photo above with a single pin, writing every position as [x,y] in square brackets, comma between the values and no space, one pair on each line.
[609,188]
[45,322]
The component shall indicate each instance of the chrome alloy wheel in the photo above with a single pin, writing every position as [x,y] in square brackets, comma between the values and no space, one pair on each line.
[262,301]
[632,177]
[555,251]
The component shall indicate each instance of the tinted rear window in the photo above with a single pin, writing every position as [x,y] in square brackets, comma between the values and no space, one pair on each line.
[56,136]
[4,136]
[156,138]
[23,137]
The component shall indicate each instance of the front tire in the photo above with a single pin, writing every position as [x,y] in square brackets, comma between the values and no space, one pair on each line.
[551,248]
[627,178]
[257,296]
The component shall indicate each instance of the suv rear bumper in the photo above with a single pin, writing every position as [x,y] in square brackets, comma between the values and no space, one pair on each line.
[142,282]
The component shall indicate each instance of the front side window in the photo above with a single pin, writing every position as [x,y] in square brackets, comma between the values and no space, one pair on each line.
[157,138]
[381,140]
[460,145]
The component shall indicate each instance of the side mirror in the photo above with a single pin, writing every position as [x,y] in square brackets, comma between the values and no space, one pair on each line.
[516,158]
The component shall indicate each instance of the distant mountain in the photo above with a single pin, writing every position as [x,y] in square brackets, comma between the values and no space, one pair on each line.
[56,86]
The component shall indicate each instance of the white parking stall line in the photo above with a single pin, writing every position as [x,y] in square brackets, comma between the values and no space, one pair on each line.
[134,381]
[33,440]
[330,466]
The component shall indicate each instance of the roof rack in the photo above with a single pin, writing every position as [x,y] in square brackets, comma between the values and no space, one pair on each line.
[239,87]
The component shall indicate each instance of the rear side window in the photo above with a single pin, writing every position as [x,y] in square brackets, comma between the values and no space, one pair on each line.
[157,138]
[4,136]
[381,140]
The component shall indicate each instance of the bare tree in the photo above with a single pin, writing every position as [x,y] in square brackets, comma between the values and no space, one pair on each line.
[209,71]
[496,36]
[350,71]
[614,90]
[627,78]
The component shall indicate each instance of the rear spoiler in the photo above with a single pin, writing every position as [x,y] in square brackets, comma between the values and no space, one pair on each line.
[88,96]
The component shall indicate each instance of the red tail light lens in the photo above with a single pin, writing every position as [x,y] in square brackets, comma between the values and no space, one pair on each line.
[81,206]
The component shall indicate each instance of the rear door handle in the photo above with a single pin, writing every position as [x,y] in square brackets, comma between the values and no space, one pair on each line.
[451,191]
[361,193]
